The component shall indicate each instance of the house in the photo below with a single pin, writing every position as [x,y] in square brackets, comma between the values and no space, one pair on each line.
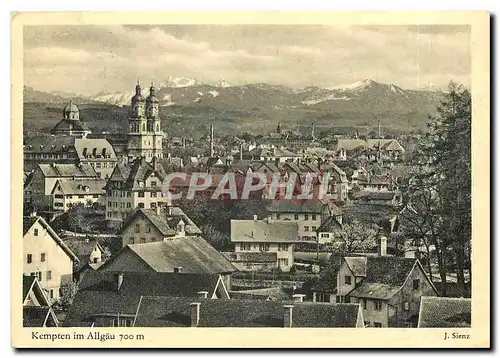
[444,312]
[190,255]
[39,189]
[88,251]
[329,229]
[277,293]
[373,149]
[98,153]
[178,312]
[46,256]
[388,288]
[253,238]
[308,214]
[147,225]
[131,186]
[111,298]
[67,194]
[36,306]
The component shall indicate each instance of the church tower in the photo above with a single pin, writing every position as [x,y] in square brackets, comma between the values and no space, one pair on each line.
[144,134]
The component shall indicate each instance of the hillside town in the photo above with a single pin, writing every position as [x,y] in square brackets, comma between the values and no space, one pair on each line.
[285,229]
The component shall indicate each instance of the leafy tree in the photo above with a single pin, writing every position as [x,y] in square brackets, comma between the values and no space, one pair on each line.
[441,190]
[355,237]
[68,293]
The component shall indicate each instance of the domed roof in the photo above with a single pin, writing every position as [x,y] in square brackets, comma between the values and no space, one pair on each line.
[152,97]
[137,97]
[70,108]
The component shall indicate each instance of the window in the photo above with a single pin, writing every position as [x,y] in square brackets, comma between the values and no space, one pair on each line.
[416,284]
[282,247]
[131,240]
[337,299]
[29,258]
[51,293]
[35,232]
[306,228]
[347,280]
[81,196]
[306,216]
[278,216]
[95,196]
[137,228]
[141,194]
[153,194]
[153,183]
[109,204]
[364,303]
[245,247]
[314,216]
[109,214]
[347,299]
[120,322]
[282,262]
[296,217]
[148,228]
[129,205]
[377,324]
[264,247]
[96,260]
[378,305]
[143,240]
[129,194]
[42,257]
[49,275]
[324,235]
[313,228]
[59,196]
[141,205]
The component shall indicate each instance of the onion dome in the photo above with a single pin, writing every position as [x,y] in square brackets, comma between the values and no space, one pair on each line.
[152,96]
[137,97]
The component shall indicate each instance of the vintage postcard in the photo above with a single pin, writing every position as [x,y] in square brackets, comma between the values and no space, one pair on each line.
[250,179]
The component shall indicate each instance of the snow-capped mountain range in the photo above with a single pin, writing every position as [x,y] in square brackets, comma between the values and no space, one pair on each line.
[186,92]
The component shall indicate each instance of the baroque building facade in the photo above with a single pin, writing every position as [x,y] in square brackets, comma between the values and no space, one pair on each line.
[144,133]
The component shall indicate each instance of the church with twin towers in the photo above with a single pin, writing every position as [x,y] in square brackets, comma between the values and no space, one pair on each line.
[145,135]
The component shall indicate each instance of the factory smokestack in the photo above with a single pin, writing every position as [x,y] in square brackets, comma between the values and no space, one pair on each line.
[211,141]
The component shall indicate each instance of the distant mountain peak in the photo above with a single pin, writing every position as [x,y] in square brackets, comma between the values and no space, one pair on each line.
[358,85]
[180,82]
[223,84]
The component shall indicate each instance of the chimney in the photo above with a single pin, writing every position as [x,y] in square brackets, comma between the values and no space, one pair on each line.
[169,209]
[158,209]
[312,131]
[269,219]
[211,141]
[177,269]
[241,151]
[288,316]
[298,297]
[382,247]
[195,313]
[202,294]
[255,218]
[118,281]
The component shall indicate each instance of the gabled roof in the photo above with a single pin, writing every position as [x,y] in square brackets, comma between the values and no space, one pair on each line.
[270,293]
[39,317]
[28,224]
[357,265]
[81,187]
[255,257]
[98,292]
[175,312]
[166,224]
[384,276]
[444,312]
[68,170]
[264,231]
[31,284]
[193,254]
[330,225]
[82,248]
[141,170]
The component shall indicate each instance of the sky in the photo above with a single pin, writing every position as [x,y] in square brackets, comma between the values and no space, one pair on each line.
[88,59]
